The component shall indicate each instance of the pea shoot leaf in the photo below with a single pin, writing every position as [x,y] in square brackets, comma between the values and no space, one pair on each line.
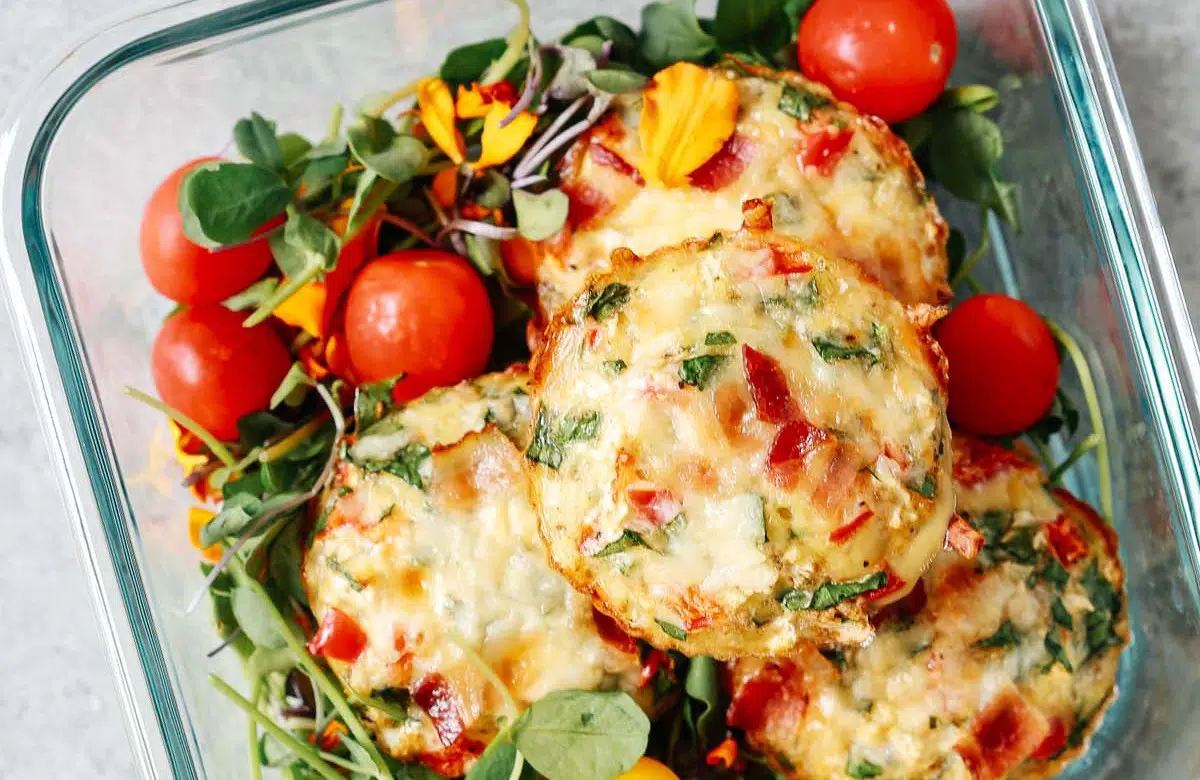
[540,216]
[286,562]
[257,618]
[671,32]
[582,735]
[294,380]
[383,151]
[256,141]
[293,148]
[467,63]
[624,40]
[372,400]
[615,80]
[223,203]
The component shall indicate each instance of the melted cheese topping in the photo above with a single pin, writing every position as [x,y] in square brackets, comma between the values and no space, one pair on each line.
[920,700]
[683,455]
[447,577]
[867,202]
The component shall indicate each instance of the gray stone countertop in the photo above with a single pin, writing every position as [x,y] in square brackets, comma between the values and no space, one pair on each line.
[60,715]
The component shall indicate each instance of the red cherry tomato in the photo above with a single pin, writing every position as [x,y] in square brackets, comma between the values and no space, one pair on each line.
[1003,365]
[421,313]
[185,272]
[890,58]
[214,370]
[339,637]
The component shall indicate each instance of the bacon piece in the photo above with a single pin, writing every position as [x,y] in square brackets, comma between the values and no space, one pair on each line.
[656,507]
[1008,731]
[823,149]
[435,696]
[726,166]
[586,203]
[1055,741]
[962,537]
[844,532]
[610,631]
[769,389]
[893,585]
[602,155]
[793,443]
[1066,541]
[778,684]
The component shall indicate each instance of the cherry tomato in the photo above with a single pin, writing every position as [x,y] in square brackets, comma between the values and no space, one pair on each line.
[214,370]
[185,272]
[890,58]
[421,313]
[1003,365]
[339,637]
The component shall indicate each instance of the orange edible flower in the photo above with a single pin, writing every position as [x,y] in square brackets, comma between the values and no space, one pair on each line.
[475,102]
[688,114]
[330,737]
[197,519]
[436,106]
[501,143]
[305,309]
[445,187]
[724,754]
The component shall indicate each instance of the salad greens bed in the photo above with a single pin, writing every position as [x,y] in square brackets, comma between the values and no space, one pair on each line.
[374,169]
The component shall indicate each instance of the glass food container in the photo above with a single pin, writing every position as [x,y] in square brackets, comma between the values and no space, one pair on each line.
[83,149]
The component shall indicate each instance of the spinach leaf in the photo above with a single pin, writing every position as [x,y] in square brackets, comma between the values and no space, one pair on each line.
[605,303]
[340,568]
[1054,573]
[1061,616]
[548,444]
[832,351]
[926,488]
[671,32]
[582,735]
[1100,633]
[540,216]
[256,617]
[701,370]
[830,594]
[408,463]
[386,153]
[626,541]
[1057,654]
[799,103]
[223,203]
[672,630]
[703,687]
[834,656]
[1005,636]
[255,139]
[863,769]
[1019,546]
[719,338]
[286,561]
[467,63]
[1100,591]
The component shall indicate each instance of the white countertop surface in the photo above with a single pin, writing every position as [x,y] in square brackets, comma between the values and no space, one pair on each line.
[60,716]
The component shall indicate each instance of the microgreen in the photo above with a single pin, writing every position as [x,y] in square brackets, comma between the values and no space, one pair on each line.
[540,216]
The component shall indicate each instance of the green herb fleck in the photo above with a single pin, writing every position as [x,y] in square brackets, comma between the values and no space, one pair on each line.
[864,769]
[548,444]
[1057,654]
[700,370]
[1100,634]
[799,103]
[719,338]
[1005,636]
[605,303]
[1054,573]
[1100,591]
[926,488]
[834,656]
[832,351]
[626,541]
[1019,546]
[406,463]
[615,367]
[672,630]
[338,567]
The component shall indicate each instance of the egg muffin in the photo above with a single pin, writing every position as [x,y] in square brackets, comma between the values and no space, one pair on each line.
[997,666]
[427,542]
[739,444]
[839,180]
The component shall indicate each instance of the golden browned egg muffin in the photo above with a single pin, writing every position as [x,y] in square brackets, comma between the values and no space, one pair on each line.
[428,546]
[739,444]
[997,667]
[839,180]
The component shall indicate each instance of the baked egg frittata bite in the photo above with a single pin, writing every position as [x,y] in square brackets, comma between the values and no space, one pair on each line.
[438,561]
[996,667]
[837,179]
[739,444]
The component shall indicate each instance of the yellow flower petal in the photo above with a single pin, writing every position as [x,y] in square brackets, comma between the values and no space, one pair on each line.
[305,309]
[436,106]
[197,519]
[471,103]
[688,114]
[501,143]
